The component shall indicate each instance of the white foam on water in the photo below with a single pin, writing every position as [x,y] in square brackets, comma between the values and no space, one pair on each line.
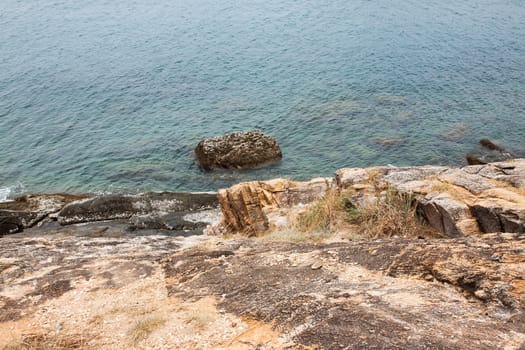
[4,193]
[9,192]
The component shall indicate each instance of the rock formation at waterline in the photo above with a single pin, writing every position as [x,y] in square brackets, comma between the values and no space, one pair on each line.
[254,207]
[239,150]
[152,210]
[455,201]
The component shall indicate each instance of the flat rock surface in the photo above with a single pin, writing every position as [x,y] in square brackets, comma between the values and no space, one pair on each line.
[93,287]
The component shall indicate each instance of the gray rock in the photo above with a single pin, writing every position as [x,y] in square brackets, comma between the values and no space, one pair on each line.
[495,218]
[112,207]
[9,225]
[511,172]
[347,177]
[237,151]
[178,221]
[29,210]
[473,183]
[443,213]
[399,176]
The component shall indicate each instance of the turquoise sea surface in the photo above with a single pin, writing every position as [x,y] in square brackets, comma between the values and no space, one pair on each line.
[113,95]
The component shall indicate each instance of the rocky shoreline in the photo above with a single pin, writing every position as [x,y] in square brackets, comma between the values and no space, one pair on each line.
[136,271]
[173,211]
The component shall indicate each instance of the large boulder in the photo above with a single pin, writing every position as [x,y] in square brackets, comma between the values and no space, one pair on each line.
[239,150]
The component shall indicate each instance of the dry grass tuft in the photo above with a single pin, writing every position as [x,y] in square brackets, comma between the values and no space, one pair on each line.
[324,215]
[49,342]
[373,177]
[200,321]
[394,214]
[442,187]
[295,235]
[144,327]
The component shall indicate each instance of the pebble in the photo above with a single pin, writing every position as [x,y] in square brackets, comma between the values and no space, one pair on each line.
[481,294]
[316,266]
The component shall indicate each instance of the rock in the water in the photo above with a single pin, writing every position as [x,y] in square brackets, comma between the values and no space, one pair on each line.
[117,206]
[486,143]
[237,151]
[489,152]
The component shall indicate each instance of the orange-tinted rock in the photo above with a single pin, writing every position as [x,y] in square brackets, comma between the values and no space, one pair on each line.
[455,201]
[245,206]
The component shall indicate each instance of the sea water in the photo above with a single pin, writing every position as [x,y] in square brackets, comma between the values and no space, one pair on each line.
[113,95]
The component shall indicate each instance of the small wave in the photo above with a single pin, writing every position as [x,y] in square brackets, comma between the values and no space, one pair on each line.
[4,193]
[9,192]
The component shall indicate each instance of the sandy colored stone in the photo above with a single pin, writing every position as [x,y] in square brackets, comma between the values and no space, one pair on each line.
[455,201]
[246,206]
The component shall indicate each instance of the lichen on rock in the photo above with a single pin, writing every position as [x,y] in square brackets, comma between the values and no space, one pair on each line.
[239,150]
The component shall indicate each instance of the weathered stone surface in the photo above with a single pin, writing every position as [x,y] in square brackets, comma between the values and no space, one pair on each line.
[465,293]
[456,201]
[498,216]
[40,202]
[112,207]
[473,183]
[28,210]
[510,172]
[179,221]
[237,151]
[443,213]
[450,294]
[245,206]
[10,224]
[347,177]
[399,176]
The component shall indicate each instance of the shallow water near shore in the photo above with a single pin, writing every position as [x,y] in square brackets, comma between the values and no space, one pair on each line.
[112,96]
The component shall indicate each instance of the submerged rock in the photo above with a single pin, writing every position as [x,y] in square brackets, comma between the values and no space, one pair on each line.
[488,152]
[239,150]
